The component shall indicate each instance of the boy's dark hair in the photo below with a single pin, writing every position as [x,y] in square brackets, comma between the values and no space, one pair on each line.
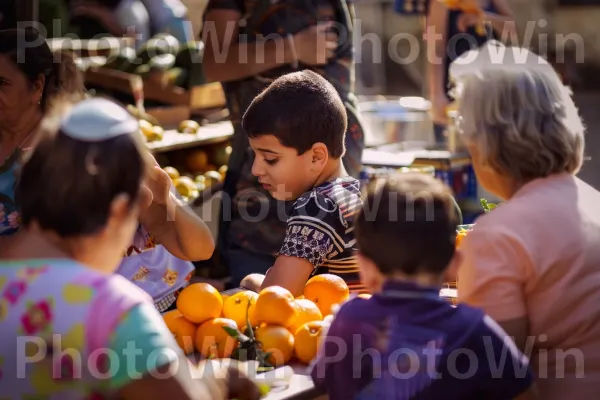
[408,225]
[68,185]
[300,109]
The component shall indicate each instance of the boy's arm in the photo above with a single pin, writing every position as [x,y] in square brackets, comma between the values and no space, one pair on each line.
[312,236]
[279,274]
[173,224]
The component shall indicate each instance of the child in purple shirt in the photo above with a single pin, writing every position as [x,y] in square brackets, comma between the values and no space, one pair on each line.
[405,342]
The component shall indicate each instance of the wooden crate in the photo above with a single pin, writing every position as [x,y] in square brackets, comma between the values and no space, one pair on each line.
[206,96]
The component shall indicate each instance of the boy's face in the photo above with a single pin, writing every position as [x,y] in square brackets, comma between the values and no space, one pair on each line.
[281,170]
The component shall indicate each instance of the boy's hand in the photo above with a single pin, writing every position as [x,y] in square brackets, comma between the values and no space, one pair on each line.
[316,45]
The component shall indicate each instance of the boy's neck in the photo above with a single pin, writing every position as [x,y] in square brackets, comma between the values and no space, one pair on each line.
[334,169]
[424,280]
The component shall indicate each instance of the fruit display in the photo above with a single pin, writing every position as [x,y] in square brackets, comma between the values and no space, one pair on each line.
[188,126]
[151,133]
[179,64]
[271,327]
[193,171]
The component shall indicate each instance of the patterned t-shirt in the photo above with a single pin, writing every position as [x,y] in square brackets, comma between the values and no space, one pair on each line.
[320,229]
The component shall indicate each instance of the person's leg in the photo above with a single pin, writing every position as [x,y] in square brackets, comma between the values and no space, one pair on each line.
[242,263]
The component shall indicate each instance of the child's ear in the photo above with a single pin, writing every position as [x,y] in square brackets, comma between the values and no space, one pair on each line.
[320,154]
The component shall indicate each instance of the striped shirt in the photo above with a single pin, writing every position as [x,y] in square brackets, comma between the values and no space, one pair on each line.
[320,229]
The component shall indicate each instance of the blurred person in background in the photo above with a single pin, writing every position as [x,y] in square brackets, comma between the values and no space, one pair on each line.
[301,35]
[28,91]
[458,32]
[90,18]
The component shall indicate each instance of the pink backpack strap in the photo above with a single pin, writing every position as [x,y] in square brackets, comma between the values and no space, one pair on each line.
[115,296]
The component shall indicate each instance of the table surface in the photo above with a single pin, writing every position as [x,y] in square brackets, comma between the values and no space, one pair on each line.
[300,386]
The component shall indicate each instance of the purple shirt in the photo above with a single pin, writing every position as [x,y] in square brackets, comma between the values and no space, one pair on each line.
[407,343]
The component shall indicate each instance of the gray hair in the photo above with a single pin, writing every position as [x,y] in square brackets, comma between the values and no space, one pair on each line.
[518,113]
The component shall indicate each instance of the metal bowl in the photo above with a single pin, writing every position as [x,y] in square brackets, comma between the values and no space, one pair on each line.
[397,120]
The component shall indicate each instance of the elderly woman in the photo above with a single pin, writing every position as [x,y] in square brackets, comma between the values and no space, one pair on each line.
[533,263]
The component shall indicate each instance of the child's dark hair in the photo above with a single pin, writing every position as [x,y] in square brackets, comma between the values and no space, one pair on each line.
[68,185]
[300,109]
[408,225]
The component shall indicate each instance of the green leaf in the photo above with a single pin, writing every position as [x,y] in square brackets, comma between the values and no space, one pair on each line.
[234,333]
[484,204]
[249,330]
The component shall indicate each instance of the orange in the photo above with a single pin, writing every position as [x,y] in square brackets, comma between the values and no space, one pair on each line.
[200,302]
[325,291]
[278,341]
[196,160]
[307,341]
[236,306]
[170,316]
[182,329]
[212,340]
[307,311]
[276,306]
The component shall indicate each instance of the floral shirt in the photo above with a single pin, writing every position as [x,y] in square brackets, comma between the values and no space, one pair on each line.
[66,331]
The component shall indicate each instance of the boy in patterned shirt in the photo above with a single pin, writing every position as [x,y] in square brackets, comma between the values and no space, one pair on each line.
[296,128]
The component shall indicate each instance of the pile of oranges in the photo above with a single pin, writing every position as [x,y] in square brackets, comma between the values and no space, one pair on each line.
[285,326]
